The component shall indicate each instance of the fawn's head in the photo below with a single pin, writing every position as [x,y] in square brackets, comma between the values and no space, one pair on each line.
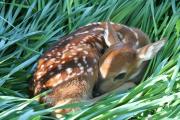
[123,62]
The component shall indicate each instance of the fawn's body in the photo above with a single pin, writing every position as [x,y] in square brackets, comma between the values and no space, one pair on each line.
[75,64]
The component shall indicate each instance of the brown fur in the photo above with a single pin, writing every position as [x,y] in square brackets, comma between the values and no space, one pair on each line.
[71,67]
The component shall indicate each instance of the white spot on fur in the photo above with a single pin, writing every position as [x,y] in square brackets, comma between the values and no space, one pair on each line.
[68,45]
[38,76]
[79,64]
[98,28]
[75,59]
[88,24]
[81,68]
[82,33]
[49,54]
[69,70]
[45,59]
[58,53]
[42,66]
[95,23]
[59,67]
[85,52]
[51,66]
[79,49]
[63,62]
[39,73]
[52,59]
[99,38]
[73,74]
[67,77]
[84,40]
[79,73]
[84,59]
[90,69]
[70,56]
[53,51]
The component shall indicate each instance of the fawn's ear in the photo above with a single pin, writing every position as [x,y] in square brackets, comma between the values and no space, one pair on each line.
[110,35]
[149,51]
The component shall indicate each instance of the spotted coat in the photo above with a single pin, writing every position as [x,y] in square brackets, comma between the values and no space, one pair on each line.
[70,68]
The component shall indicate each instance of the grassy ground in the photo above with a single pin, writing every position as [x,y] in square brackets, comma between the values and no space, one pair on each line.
[30,27]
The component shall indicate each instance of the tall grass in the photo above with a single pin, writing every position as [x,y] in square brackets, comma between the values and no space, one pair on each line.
[29,27]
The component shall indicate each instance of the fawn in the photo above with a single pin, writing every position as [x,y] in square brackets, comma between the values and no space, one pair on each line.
[77,63]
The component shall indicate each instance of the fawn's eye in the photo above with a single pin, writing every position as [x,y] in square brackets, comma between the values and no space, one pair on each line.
[120,76]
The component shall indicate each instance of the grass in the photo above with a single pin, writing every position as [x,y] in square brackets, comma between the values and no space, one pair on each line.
[29,27]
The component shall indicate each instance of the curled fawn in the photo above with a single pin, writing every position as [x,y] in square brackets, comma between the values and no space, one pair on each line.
[73,66]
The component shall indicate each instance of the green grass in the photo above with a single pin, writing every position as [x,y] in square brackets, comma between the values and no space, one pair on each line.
[28,28]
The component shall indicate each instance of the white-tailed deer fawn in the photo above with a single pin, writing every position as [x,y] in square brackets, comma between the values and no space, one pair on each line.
[71,68]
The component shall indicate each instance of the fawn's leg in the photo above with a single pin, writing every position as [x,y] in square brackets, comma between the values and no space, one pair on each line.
[68,92]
